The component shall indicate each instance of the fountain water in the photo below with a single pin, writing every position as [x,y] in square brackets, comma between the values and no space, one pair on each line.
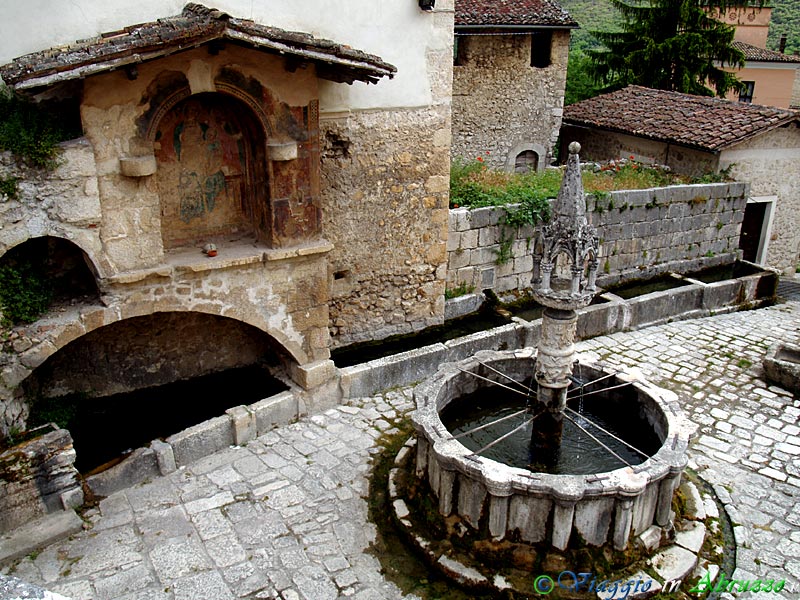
[502,488]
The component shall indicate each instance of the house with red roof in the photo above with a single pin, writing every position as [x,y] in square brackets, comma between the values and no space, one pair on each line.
[694,135]
[509,73]
[771,78]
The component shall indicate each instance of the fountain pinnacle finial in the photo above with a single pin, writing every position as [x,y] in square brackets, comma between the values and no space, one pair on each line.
[570,238]
[570,208]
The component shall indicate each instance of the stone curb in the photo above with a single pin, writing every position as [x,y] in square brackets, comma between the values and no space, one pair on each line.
[238,426]
[692,301]
[675,561]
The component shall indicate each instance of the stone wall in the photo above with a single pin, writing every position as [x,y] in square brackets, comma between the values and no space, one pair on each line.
[642,232]
[385,210]
[37,477]
[771,163]
[503,106]
[599,145]
[385,193]
[64,203]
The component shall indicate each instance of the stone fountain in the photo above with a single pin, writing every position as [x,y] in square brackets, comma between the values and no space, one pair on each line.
[499,500]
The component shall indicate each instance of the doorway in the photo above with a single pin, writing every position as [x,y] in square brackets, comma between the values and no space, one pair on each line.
[757,228]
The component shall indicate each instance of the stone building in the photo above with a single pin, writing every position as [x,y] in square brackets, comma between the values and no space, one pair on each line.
[326,203]
[694,135]
[509,73]
[770,77]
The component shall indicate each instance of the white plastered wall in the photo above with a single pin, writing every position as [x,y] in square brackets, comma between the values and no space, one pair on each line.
[396,30]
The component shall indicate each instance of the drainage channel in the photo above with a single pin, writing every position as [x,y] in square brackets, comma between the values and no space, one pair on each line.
[105,430]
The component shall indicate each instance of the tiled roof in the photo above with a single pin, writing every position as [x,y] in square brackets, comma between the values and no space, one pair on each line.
[196,25]
[696,121]
[763,55]
[521,13]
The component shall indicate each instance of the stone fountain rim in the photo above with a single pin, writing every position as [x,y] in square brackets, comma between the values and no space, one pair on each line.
[503,480]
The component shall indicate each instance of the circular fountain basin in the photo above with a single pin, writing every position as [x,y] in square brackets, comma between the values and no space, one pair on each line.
[598,508]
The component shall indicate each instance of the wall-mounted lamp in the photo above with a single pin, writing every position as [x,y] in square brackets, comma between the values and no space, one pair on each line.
[427,4]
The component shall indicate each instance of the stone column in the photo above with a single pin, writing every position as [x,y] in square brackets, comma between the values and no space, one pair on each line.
[554,358]
[563,514]
[623,521]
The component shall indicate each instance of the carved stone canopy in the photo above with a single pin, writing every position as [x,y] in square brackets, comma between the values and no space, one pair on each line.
[568,238]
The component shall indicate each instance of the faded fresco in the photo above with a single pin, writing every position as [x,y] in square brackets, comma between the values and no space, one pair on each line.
[202,147]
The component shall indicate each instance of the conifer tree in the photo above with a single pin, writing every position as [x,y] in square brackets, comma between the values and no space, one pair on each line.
[670,45]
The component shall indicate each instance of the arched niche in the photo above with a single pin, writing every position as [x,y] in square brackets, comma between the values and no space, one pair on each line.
[212,174]
[66,271]
[525,157]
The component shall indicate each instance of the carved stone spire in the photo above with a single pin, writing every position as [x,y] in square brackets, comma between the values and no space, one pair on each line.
[570,237]
[570,207]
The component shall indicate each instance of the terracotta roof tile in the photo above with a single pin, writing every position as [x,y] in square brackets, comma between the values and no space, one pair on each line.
[196,25]
[471,13]
[763,55]
[695,121]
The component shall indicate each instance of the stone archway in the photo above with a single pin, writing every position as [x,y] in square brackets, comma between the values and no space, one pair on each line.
[212,171]
[58,268]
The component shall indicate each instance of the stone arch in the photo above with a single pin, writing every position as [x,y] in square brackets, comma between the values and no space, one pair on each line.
[88,245]
[213,174]
[68,268]
[520,149]
[89,321]
[154,349]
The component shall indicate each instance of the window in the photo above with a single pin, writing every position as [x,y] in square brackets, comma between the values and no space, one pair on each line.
[746,95]
[460,50]
[541,41]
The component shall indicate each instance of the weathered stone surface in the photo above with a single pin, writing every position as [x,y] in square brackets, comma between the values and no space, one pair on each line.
[34,475]
[691,535]
[673,562]
[502,106]
[137,166]
[389,226]
[639,241]
[782,365]
[11,588]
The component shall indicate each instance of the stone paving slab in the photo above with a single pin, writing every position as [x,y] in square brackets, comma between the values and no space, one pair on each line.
[286,516]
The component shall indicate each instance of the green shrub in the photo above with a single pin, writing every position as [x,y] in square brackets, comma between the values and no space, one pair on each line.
[462,289]
[25,293]
[8,186]
[30,131]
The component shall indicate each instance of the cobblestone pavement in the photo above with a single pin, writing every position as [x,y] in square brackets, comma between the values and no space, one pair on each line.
[286,516]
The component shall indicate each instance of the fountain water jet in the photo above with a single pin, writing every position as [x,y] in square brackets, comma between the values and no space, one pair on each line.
[493,498]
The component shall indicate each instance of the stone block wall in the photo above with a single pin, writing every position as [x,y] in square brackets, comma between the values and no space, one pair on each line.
[502,105]
[63,203]
[37,477]
[642,232]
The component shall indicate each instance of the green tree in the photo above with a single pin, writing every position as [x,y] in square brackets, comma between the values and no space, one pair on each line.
[670,45]
[580,82]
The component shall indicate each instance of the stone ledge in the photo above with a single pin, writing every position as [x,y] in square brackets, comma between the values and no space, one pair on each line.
[229,256]
[41,532]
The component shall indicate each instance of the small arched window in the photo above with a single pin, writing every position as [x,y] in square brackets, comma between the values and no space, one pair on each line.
[526,161]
